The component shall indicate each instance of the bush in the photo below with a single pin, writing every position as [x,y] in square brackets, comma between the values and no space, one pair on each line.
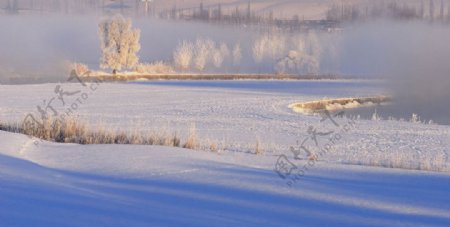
[158,67]
[191,142]
[79,68]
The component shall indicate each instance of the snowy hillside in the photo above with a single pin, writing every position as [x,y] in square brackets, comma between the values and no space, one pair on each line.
[64,184]
[69,184]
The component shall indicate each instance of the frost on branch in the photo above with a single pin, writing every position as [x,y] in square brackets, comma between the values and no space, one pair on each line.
[119,43]
[183,55]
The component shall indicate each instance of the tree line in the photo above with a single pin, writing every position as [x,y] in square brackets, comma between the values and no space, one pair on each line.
[271,52]
[429,10]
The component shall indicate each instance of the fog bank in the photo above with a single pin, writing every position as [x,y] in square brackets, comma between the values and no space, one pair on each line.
[413,57]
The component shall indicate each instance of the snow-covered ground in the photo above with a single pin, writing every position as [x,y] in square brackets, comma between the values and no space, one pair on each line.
[117,184]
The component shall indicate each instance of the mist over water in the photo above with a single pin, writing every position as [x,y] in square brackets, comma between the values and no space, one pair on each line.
[412,57]
[38,48]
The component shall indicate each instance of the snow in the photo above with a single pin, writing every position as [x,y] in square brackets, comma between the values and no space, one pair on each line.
[333,105]
[66,184]
[69,184]
[234,115]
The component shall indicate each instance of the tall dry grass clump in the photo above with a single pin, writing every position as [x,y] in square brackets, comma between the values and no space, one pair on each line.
[158,67]
[191,142]
[79,68]
[258,148]
[71,130]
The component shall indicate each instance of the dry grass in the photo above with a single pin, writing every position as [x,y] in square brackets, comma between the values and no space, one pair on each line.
[79,68]
[322,105]
[190,76]
[191,142]
[313,157]
[258,148]
[158,67]
[213,147]
[75,131]
[436,163]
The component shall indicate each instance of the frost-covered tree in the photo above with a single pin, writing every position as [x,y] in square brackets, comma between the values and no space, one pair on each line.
[119,43]
[237,55]
[269,46]
[303,57]
[226,53]
[313,46]
[217,57]
[299,43]
[295,62]
[203,49]
[183,55]
[258,50]
[276,46]
[291,63]
[224,50]
[200,55]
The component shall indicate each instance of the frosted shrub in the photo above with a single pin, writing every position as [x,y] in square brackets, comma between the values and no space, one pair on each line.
[217,58]
[79,68]
[415,118]
[158,67]
[376,116]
